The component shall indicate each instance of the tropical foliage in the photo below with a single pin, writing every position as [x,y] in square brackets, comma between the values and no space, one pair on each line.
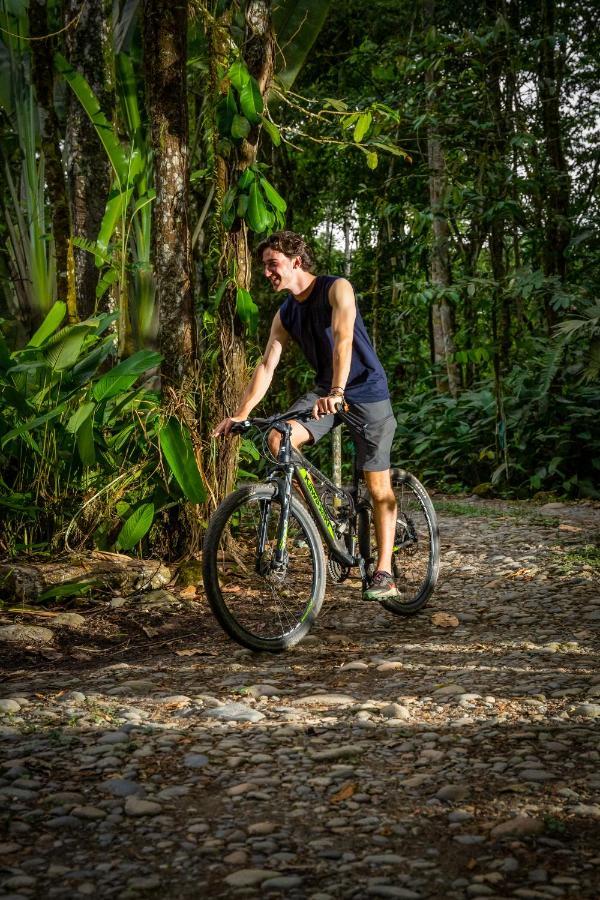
[442,156]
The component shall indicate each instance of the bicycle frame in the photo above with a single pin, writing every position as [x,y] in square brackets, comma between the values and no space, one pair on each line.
[292,465]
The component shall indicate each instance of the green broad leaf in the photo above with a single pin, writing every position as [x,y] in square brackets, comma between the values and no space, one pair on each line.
[110,277]
[89,101]
[248,449]
[390,148]
[64,353]
[79,417]
[219,292]
[246,309]
[93,248]
[123,375]
[114,212]
[296,24]
[85,442]
[68,589]
[88,365]
[52,321]
[228,217]
[225,112]
[362,126]
[350,120]
[372,159]
[256,216]
[176,446]
[246,179]
[242,205]
[274,198]
[240,127]
[238,75]
[28,367]
[21,430]
[136,527]
[228,199]
[251,101]
[147,198]
[272,130]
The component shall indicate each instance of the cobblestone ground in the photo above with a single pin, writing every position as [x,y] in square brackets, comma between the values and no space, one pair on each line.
[381,758]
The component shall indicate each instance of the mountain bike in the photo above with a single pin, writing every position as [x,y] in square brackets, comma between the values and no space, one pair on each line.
[264,564]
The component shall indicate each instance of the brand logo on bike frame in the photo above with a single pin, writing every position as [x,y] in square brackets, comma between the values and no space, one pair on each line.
[317,501]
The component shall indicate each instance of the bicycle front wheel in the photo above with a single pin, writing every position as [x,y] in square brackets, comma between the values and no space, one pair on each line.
[261,603]
[416,554]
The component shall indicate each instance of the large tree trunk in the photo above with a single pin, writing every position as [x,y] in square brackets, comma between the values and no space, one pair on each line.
[43,82]
[231,370]
[165,53]
[557,228]
[88,169]
[442,318]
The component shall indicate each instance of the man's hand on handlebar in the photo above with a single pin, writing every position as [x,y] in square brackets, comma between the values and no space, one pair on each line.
[224,427]
[326,406]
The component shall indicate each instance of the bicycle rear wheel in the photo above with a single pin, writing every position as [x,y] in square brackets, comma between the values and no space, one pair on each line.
[261,605]
[416,555]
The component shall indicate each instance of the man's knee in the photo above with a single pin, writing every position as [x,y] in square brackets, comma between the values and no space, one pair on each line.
[299,437]
[380,487]
[274,442]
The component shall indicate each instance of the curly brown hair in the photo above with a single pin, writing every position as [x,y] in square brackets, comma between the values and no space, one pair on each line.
[290,244]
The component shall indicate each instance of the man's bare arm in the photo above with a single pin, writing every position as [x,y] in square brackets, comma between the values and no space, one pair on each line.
[343,316]
[261,378]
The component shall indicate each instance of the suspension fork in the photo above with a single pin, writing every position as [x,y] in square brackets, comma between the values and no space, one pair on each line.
[285,496]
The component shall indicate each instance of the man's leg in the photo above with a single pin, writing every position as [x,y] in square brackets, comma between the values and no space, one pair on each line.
[384,516]
[300,435]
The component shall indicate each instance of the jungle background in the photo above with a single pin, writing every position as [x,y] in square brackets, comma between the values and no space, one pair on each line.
[443,156]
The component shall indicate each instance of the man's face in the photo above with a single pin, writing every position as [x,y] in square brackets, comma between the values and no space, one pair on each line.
[279,268]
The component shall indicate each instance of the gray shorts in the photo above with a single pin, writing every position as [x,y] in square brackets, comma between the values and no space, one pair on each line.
[373,445]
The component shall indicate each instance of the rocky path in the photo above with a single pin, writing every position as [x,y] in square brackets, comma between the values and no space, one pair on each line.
[380,758]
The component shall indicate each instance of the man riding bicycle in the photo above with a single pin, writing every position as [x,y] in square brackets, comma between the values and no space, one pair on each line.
[320,314]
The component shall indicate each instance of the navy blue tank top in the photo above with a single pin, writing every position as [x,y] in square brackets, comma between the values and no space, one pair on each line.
[309,324]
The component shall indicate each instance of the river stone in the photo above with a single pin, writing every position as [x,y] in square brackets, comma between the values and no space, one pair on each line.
[449,690]
[325,700]
[249,877]
[262,690]
[136,807]
[337,752]
[69,618]
[234,712]
[395,711]
[121,787]
[519,826]
[453,792]
[583,809]
[26,633]
[195,760]
[9,706]
[88,812]
[589,710]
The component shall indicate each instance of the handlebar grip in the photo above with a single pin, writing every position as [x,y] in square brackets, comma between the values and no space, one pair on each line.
[240,427]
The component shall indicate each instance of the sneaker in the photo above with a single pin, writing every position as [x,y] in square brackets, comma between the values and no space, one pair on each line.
[381,587]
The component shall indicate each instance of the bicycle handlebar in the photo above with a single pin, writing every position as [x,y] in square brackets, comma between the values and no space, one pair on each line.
[302,415]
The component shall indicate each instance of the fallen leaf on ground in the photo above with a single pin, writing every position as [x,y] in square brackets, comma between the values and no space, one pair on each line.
[188,592]
[444,620]
[343,794]
[191,651]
